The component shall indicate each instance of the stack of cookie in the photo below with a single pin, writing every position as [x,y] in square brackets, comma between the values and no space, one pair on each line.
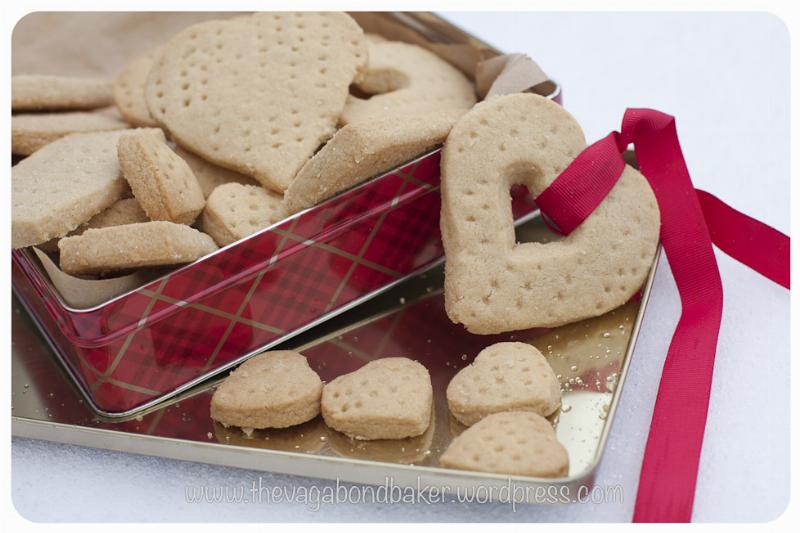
[47,108]
[504,396]
[239,124]
[76,190]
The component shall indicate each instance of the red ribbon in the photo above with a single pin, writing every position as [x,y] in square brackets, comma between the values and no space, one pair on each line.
[691,220]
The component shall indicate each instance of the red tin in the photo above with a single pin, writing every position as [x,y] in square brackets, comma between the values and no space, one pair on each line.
[201,319]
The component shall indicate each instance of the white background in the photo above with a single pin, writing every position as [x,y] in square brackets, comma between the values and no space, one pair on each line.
[725,77]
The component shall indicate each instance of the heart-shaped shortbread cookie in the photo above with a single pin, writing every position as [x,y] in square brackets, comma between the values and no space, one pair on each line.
[518,443]
[494,284]
[507,376]
[271,390]
[257,93]
[405,79]
[388,398]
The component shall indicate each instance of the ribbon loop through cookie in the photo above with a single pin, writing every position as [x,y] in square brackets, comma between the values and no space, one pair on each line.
[691,220]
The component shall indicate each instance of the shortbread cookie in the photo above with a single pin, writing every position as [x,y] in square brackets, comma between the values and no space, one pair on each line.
[64,184]
[507,376]
[271,390]
[129,90]
[161,182]
[492,283]
[257,94]
[361,150]
[29,132]
[234,211]
[116,248]
[518,443]
[388,398]
[43,93]
[209,175]
[407,79]
[126,211]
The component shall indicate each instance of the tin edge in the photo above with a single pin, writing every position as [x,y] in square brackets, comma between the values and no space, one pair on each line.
[623,371]
[277,461]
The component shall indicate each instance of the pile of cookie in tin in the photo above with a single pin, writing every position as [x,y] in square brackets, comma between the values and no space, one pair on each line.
[233,125]
[227,128]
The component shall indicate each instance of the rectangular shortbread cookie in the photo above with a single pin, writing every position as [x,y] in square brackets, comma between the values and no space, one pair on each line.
[133,246]
[53,93]
[162,182]
[31,131]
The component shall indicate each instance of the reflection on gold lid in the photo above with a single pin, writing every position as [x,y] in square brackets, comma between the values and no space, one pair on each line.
[585,353]
[404,451]
[308,437]
[456,427]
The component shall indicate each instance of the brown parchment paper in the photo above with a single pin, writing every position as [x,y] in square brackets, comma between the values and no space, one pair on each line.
[494,73]
[82,293]
[102,43]
[92,43]
[507,74]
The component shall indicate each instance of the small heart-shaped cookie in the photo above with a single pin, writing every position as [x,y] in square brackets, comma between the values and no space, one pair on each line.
[507,376]
[271,390]
[259,93]
[517,443]
[388,398]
